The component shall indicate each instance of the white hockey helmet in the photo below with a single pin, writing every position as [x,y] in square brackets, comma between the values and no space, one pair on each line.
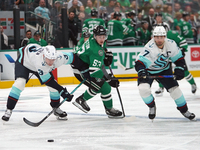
[159,31]
[50,52]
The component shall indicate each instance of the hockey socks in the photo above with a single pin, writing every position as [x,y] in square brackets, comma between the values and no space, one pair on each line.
[189,77]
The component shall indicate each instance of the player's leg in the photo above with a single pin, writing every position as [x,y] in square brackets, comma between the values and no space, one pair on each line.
[108,102]
[144,86]
[172,87]
[55,100]
[160,90]
[94,87]
[190,79]
[21,76]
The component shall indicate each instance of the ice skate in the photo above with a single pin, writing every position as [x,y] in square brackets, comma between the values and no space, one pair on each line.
[7,115]
[61,115]
[152,112]
[113,113]
[189,115]
[81,104]
[160,91]
[194,88]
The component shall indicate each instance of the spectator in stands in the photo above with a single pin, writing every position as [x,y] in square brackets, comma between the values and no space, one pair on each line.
[158,9]
[154,3]
[89,7]
[4,40]
[124,4]
[26,39]
[75,7]
[150,19]
[72,24]
[118,8]
[146,5]
[177,8]
[41,10]
[70,4]
[104,2]
[59,42]
[37,39]
[133,6]
[188,9]
[103,14]
[177,20]
[110,7]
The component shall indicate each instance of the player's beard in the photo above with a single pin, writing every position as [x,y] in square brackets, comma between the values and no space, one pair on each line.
[160,44]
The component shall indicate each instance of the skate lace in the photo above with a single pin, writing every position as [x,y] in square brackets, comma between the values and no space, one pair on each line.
[59,111]
[187,114]
[152,110]
[8,113]
[194,87]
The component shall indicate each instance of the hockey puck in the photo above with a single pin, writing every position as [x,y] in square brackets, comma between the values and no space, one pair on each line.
[50,140]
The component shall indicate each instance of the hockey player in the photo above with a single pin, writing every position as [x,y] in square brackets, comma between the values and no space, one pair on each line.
[85,37]
[186,28]
[93,53]
[90,23]
[39,61]
[154,60]
[116,31]
[181,42]
[142,34]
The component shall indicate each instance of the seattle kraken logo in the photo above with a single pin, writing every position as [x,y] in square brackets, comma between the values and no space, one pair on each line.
[161,61]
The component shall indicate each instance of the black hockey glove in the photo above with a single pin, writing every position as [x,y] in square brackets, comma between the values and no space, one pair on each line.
[179,73]
[86,74]
[66,95]
[142,74]
[108,58]
[113,81]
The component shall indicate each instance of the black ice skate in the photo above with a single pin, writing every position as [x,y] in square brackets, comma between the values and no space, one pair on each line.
[61,115]
[113,113]
[81,104]
[160,91]
[189,115]
[7,115]
[194,88]
[152,112]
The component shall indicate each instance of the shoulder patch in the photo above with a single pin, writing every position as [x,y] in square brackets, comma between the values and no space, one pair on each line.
[100,52]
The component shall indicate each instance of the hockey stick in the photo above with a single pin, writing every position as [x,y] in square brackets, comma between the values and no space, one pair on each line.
[150,77]
[123,67]
[38,123]
[118,95]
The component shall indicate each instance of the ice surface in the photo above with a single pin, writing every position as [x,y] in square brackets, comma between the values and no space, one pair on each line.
[94,130]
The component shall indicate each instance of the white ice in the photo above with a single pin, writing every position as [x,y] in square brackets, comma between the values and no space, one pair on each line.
[94,130]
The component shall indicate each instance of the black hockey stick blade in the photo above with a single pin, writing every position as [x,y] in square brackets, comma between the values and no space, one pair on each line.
[38,123]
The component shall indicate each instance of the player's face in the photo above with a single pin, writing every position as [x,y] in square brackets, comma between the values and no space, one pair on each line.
[159,40]
[49,62]
[100,39]
[85,39]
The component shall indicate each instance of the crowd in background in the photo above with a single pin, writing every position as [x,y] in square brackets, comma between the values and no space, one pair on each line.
[142,14]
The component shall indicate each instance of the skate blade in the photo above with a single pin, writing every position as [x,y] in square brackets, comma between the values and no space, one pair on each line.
[61,118]
[115,117]
[79,106]
[159,95]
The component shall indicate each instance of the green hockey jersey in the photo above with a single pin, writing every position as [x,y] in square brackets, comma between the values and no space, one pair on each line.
[116,32]
[180,41]
[93,54]
[142,37]
[89,24]
[186,31]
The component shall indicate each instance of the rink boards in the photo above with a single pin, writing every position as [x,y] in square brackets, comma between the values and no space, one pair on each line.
[125,55]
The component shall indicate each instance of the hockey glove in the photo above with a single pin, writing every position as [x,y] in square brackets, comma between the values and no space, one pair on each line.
[142,74]
[66,95]
[86,74]
[179,73]
[108,58]
[113,81]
